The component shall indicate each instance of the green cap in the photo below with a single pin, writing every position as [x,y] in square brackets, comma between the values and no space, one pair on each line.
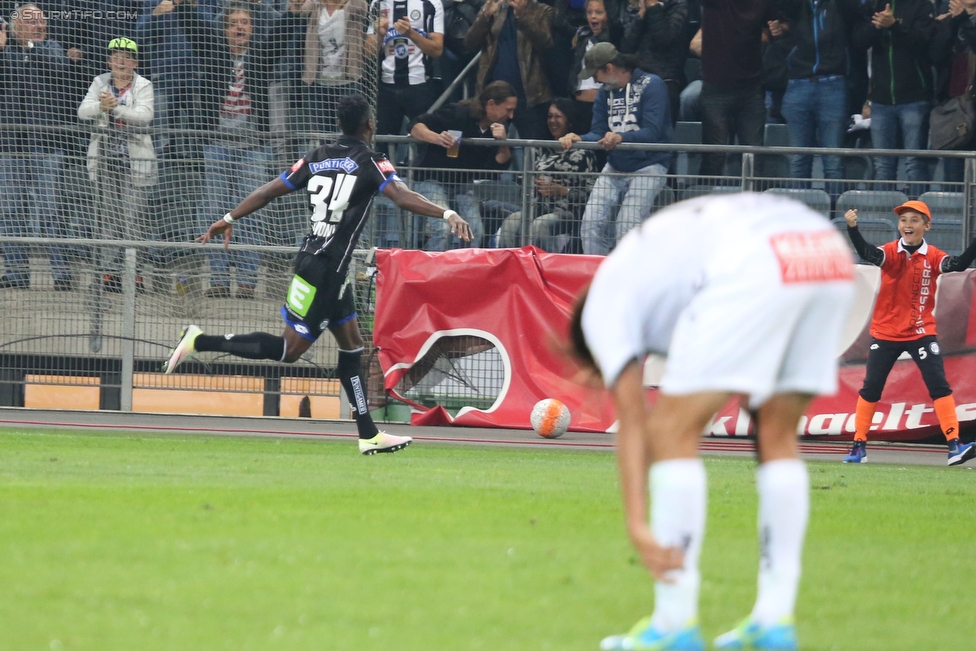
[124,45]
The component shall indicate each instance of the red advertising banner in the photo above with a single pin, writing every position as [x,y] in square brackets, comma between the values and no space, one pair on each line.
[442,319]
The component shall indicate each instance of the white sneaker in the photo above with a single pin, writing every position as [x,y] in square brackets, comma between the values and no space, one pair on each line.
[383,442]
[184,349]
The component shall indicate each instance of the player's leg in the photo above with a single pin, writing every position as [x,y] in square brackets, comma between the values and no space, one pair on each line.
[928,357]
[677,489]
[882,356]
[784,506]
[349,370]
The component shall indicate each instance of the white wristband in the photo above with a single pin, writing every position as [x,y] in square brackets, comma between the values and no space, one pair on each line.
[229,219]
[448,213]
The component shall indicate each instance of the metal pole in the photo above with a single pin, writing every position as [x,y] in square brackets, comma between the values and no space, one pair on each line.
[128,328]
[969,178]
[454,84]
[528,194]
[748,172]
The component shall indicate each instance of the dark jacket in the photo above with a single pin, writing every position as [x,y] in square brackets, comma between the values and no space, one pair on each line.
[534,38]
[585,35]
[218,66]
[902,48]
[661,40]
[639,112]
[31,93]
[732,41]
[821,32]
[456,117]
[953,39]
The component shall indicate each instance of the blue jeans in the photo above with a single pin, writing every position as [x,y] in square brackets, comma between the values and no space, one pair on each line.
[21,217]
[913,122]
[232,173]
[812,109]
[464,203]
[634,193]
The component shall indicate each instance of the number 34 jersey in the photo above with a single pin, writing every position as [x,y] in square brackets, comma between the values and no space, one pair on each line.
[340,180]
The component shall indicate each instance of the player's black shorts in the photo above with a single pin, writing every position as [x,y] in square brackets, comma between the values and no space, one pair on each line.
[927,355]
[318,297]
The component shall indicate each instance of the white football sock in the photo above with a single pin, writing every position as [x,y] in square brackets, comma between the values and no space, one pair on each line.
[678,496]
[784,508]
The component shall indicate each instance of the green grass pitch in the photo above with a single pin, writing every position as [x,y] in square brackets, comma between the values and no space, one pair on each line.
[202,543]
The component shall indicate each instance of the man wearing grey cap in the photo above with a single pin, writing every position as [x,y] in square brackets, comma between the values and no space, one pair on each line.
[631,106]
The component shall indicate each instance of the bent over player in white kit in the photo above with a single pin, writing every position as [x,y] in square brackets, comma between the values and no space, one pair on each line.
[747,295]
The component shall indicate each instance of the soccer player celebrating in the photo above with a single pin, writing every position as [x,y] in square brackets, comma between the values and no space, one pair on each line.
[341,179]
[904,321]
[757,312]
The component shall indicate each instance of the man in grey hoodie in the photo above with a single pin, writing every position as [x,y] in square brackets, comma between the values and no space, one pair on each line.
[631,107]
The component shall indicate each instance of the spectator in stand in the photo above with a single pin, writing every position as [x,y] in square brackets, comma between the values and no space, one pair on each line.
[485,117]
[952,55]
[732,101]
[563,181]
[176,76]
[815,102]
[901,84]
[409,35]
[32,71]
[567,17]
[335,58]
[659,37]
[598,29]
[690,97]
[234,104]
[632,106]
[513,35]
[121,163]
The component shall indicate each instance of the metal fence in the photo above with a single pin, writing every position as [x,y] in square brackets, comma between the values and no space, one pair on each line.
[106,300]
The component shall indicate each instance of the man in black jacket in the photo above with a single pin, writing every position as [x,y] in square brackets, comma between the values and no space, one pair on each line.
[659,37]
[815,103]
[901,82]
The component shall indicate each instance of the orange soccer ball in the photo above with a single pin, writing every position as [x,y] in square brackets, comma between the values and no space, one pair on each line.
[550,418]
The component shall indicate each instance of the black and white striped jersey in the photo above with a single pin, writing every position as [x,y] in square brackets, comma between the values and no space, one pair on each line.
[403,62]
[341,180]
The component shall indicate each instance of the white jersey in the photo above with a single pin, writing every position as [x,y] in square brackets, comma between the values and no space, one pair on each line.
[724,285]
[403,62]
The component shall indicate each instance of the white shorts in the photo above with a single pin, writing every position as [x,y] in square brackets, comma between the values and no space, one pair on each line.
[747,333]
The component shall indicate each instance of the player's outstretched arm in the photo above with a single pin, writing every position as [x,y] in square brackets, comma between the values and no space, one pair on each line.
[405,198]
[952,263]
[868,253]
[254,201]
[634,460]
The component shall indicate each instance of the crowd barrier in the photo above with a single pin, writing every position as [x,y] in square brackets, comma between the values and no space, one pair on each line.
[486,362]
[134,281]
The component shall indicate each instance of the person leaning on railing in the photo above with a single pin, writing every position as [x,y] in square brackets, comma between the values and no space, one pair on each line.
[632,107]
[122,163]
[32,71]
[447,168]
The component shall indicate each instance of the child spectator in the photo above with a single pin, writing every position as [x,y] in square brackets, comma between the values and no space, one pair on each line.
[904,321]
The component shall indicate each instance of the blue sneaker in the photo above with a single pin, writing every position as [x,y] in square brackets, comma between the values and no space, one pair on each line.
[750,635]
[960,453]
[644,637]
[859,453]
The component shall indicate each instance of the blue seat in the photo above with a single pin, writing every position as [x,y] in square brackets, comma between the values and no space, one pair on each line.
[877,204]
[946,234]
[816,199]
[687,164]
[944,205]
